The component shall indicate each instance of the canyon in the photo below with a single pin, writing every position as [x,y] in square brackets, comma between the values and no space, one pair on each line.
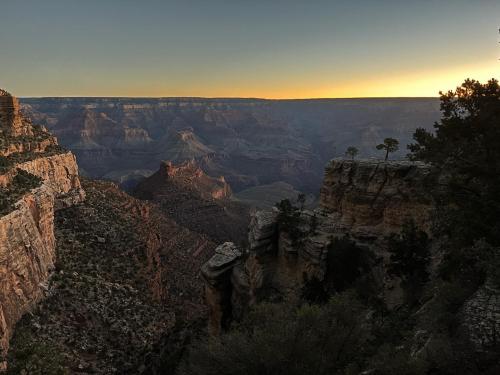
[96,280]
[84,265]
[251,142]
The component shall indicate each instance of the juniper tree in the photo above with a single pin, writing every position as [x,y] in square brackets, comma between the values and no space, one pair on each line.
[390,145]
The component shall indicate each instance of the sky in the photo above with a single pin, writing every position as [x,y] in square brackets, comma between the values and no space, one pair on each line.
[245,48]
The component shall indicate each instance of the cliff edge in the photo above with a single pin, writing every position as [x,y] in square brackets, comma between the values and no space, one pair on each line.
[37,177]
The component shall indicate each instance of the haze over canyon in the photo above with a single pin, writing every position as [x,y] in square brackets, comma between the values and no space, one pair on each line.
[251,142]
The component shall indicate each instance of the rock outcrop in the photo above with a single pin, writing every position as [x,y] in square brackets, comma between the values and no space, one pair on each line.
[367,200]
[217,275]
[36,177]
[188,177]
[372,198]
[197,201]
[60,173]
[481,317]
[11,122]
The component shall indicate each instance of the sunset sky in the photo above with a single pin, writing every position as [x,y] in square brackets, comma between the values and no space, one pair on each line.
[243,48]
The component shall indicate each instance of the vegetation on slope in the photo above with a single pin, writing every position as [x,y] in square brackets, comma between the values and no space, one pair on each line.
[22,183]
[108,304]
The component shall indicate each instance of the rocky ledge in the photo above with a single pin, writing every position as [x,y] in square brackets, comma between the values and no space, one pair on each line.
[365,199]
[374,198]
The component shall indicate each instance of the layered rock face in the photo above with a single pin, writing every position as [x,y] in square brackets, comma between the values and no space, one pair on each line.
[197,201]
[27,255]
[11,122]
[60,173]
[365,199]
[36,177]
[187,176]
[251,142]
[372,199]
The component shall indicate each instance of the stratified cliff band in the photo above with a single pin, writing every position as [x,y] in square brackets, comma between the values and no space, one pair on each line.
[37,176]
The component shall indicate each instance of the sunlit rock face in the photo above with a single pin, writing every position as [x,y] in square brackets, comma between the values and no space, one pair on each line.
[27,245]
[11,121]
[365,199]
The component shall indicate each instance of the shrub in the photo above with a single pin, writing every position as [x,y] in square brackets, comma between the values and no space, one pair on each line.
[289,220]
[410,257]
[347,262]
[34,357]
[282,339]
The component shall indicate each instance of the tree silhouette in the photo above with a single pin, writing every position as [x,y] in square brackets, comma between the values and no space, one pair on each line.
[465,146]
[351,152]
[301,200]
[389,145]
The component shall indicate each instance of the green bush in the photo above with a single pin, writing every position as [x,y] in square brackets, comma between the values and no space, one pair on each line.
[26,180]
[21,184]
[290,221]
[281,339]
[34,357]
[410,258]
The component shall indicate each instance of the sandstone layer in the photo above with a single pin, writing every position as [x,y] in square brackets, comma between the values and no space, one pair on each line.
[36,178]
[375,198]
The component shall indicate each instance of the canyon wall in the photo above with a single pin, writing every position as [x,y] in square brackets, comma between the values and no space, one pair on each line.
[371,198]
[27,256]
[365,199]
[36,178]
[60,172]
[250,142]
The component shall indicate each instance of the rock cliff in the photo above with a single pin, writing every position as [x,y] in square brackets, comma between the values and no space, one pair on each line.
[36,177]
[197,201]
[125,277]
[366,200]
[374,198]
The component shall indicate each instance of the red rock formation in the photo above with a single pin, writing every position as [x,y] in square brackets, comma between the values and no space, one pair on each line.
[27,245]
[60,172]
[11,122]
[186,176]
[27,255]
[197,201]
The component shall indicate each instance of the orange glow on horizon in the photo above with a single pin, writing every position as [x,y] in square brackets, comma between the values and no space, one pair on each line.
[399,84]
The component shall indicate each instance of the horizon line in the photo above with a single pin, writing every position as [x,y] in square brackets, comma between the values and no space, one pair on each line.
[224,97]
